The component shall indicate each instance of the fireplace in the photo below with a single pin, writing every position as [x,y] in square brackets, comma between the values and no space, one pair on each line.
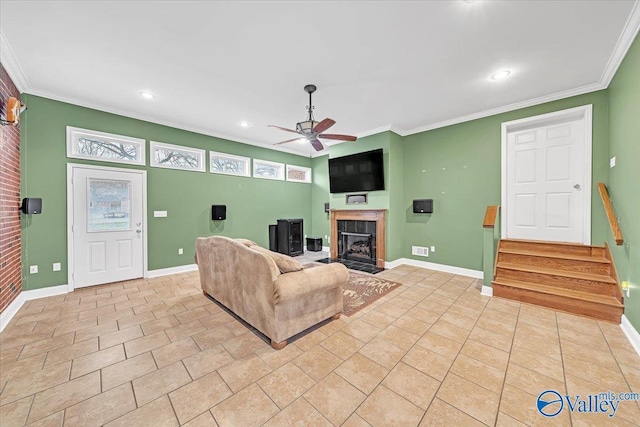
[358,235]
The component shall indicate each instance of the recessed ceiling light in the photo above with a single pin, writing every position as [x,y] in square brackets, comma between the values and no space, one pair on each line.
[146,94]
[501,75]
[245,124]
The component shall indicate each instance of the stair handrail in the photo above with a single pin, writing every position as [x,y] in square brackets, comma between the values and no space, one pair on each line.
[611,216]
[490,216]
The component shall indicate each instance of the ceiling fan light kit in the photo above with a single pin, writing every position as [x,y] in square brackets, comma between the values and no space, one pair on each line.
[311,130]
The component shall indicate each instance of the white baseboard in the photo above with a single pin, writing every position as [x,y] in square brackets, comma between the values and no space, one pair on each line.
[632,334]
[477,274]
[11,310]
[487,291]
[171,270]
[326,249]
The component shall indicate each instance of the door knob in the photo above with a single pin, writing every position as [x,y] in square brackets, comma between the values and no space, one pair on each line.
[577,186]
[138,231]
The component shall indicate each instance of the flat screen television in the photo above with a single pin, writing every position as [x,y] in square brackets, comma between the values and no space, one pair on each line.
[357,172]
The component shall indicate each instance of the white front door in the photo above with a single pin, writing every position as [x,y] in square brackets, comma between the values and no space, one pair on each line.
[107,225]
[548,178]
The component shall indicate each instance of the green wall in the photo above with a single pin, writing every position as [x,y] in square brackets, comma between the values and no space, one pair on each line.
[252,204]
[459,168]
[624,178]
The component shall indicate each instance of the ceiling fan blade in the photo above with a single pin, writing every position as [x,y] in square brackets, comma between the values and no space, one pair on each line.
[349,138]
[315,143]
[284,129]
[323,125]
[289,140]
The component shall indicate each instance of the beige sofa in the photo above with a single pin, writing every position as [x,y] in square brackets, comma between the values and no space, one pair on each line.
[270,291]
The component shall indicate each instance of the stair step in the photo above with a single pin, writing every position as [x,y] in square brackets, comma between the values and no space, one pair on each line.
[602,307]
[553,247]
[602,278]
[578,263]
[574,257]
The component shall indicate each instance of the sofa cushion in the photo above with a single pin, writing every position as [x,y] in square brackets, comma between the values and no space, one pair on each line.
[248,243]
[285,263]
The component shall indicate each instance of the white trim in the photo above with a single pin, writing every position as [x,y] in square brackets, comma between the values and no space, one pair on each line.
[72,153]
[10,63]
[12,309]
[280,176]
[145,240]
[477,274]
[197,151]
[247,171]
[584,113]
[487,291]
[326,249]
[306,170]
[628,35]
[171,270]
[632,333]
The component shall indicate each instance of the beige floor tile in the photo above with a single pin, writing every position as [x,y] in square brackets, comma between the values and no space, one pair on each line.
[198,396]
[9,354]
[378,319]
[72,352]
[486,322]
[479,373]
[629,358]
[102,408]
[153,326]
[98,360]
[242,345]
[277,358]
[22,367]
[203,420]
[212,337]
[299,413]
[185,330]
[335,398]
[62,396]
[355,420]
[462,322]
[428,362]
[490,338]
[192,314]
[207,361]
[547,366]
[448,330]
[384,408]
[48,377]
[15,413]
[138,319]
[96,331]
[399,337]
[157,383]
[317,362]
[361,330]
[65,328]
[382,352]
[342,345]
[127,370]
[241,372]
[286,384]
[175,351]
[413,385]
[505,420]
[441,414]
[54,420]
[531,381]
[119,337]
[414,326]
[521,405]
[146,343]
[158,413]
[486,354]
[46,345]
[114,316]
[362,372]
[248,408]
[216,319]
[470,398]
[309,339]
[439,344]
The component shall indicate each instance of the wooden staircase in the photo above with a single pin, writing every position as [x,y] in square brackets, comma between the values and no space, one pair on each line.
[574,278]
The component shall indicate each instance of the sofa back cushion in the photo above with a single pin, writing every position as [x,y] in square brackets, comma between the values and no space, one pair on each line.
[248,243]
[285,263]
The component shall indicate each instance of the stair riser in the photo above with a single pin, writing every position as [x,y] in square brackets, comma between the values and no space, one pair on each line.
[554,248]
[555,263]
[569,305]
[601,288]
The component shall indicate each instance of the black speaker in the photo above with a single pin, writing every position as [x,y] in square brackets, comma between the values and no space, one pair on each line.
[423,206]
[326,207]
[273,237]
[218,212]
[31,205]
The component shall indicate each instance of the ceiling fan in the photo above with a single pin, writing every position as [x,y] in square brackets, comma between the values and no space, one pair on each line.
[310,130]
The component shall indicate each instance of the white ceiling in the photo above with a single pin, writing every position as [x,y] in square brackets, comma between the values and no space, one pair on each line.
[406,66]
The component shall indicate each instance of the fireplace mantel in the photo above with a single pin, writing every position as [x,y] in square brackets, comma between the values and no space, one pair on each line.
[377,215]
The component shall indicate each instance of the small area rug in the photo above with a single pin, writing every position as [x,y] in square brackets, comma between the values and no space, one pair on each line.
[362,290]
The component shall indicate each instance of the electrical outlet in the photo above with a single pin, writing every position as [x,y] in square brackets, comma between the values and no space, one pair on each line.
[612,162]
[180,251]
[33,269]
[159,214]
[326,237]
[56,266]
[626,288]
[433,248]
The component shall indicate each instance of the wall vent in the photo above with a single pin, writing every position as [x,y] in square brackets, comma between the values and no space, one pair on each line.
[419,250]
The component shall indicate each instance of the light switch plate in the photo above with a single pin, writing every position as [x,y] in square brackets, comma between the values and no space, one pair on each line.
[33,269]
[180,251]
[612,162]
[56,266]
[159,214]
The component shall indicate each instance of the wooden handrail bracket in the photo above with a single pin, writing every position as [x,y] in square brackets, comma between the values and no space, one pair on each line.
[611,216]
[490,216]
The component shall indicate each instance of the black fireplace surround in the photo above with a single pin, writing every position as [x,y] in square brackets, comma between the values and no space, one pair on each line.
[357,241]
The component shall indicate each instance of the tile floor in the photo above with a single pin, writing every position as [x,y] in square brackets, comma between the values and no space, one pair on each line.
[433,352]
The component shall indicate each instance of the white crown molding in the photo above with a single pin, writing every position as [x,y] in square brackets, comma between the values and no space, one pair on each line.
[628,35]
[10,63]
[128,114]
[476,274]
[632,333]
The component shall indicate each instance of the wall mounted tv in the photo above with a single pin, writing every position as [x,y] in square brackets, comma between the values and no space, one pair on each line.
[357,172]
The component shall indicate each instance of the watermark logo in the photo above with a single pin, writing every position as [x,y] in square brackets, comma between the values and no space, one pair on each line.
[550,403]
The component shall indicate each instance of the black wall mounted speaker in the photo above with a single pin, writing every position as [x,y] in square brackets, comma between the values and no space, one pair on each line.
[31,205]
[423,206]
[218,212]
[326,207]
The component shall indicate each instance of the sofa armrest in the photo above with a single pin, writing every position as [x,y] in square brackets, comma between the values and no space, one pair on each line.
[290,286]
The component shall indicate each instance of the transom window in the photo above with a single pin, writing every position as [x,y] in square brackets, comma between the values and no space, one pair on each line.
[268,170]
[176,157]
[298,174]
[229,164]
[105,147]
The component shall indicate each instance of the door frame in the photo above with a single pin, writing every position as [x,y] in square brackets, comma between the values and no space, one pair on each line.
[70,253]
[584,113]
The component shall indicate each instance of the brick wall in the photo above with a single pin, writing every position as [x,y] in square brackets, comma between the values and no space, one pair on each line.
[10,241]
